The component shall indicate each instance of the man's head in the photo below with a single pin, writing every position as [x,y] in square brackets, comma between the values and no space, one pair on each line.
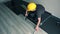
[31,7]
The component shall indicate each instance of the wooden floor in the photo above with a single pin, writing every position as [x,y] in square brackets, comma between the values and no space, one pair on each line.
[10,23]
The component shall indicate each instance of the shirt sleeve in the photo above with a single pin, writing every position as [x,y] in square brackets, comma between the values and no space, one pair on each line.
[40,10]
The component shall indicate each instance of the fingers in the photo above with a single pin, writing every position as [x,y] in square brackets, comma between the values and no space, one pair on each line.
[37,28]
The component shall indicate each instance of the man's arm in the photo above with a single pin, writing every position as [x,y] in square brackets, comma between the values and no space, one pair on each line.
[38,23]
[26,14]
[39,20]
[40,11]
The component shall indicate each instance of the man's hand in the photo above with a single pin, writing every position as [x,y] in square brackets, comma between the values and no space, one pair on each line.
[37,28]
[26,14]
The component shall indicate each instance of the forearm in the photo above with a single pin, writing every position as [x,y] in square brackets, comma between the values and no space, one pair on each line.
[26,12]
[38,23]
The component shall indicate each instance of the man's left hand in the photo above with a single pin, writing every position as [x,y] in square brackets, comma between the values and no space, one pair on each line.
[37,28]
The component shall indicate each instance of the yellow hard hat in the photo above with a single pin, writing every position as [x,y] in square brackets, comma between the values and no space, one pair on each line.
[31,6]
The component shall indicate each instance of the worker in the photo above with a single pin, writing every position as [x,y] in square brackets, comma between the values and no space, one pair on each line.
[34,11]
